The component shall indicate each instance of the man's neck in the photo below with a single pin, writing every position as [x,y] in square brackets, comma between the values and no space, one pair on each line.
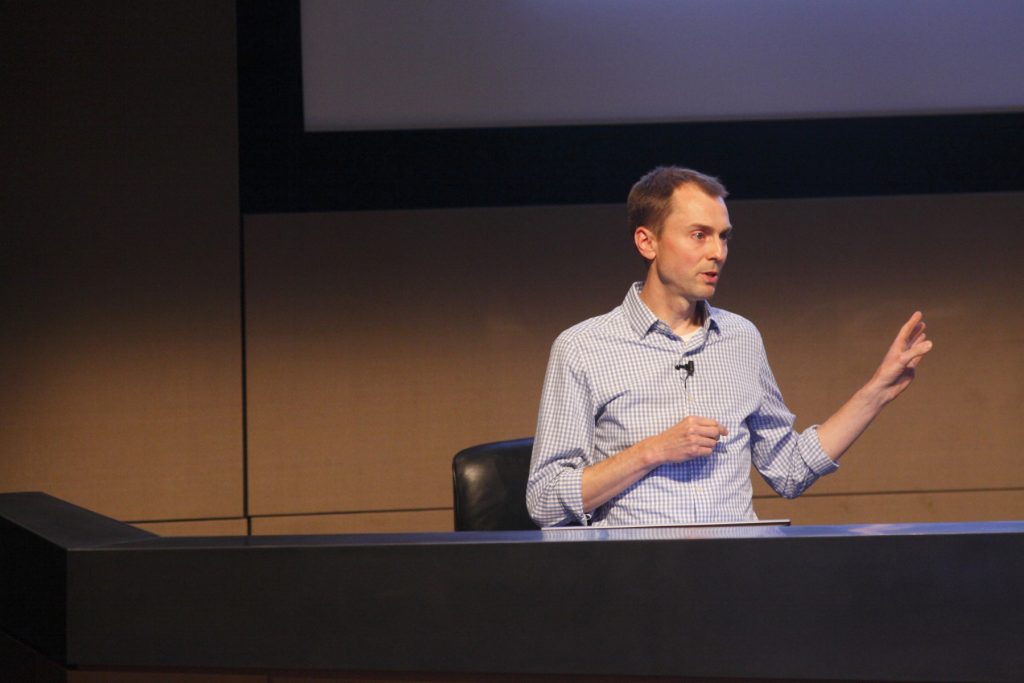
[680,314]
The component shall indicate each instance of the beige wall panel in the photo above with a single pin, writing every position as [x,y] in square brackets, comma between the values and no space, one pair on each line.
[933,506]
[382,343]
[829,282]
[205,527]
[402,521]
[120,365]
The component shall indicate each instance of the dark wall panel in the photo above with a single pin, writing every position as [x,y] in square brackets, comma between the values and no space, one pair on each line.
[283,168]
[120,361]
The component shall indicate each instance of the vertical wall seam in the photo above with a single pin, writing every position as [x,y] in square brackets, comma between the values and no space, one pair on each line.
[241,287]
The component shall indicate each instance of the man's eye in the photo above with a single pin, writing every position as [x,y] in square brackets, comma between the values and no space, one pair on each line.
[699,236]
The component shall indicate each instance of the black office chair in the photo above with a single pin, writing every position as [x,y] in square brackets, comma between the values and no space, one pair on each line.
[489,486]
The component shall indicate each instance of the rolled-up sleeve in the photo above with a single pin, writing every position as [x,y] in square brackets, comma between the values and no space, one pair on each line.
[789,461]
[563,443]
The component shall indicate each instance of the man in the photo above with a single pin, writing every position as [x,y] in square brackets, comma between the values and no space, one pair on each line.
[654,412]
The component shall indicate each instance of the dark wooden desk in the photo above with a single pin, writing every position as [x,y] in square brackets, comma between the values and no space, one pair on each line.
[924,602]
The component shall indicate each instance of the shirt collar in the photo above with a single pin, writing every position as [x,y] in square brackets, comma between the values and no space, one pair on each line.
[643,321]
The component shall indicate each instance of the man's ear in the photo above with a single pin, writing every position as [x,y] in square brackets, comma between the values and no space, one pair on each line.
[646,242]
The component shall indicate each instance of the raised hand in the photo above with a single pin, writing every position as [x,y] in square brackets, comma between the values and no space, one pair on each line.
[897,369]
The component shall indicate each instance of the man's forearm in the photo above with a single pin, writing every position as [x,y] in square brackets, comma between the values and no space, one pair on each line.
[839,431]
[604,480]
[692,437]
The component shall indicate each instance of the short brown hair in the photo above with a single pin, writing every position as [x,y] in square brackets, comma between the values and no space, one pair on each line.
[650,200]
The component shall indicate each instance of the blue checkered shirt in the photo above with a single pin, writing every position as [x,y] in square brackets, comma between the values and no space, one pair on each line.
[612,381]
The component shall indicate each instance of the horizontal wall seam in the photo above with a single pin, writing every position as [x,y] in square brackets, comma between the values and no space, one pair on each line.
[184,519]
[919,492]
[349,512]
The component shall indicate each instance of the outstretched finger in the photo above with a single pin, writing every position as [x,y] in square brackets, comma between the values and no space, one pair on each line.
[909,327]
[917,341]
[917,334]
[914,355]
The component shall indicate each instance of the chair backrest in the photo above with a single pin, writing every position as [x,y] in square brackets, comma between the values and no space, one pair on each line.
[489,486]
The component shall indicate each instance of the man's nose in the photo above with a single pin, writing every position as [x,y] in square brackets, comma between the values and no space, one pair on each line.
[717,249]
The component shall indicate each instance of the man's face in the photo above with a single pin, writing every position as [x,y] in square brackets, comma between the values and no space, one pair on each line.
[689,253]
